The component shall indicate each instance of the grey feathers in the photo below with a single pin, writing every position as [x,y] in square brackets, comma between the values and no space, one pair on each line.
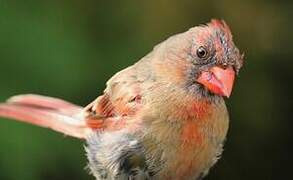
[116,155]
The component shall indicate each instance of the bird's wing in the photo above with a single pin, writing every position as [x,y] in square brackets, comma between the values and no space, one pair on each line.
[48,112]
[121,100]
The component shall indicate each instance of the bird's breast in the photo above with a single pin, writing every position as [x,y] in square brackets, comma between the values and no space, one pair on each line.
[190,133]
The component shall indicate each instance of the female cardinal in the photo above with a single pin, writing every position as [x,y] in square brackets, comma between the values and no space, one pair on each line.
[161,118]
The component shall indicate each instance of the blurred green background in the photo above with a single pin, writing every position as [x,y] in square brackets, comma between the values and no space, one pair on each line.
[69,48]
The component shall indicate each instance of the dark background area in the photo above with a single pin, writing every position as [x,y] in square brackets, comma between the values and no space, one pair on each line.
[69,48]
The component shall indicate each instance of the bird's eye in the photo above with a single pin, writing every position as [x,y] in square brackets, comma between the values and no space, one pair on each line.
[202,52]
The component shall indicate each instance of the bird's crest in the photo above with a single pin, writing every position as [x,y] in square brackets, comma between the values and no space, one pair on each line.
[221,27]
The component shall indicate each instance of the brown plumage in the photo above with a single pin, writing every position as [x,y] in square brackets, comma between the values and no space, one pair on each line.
[161,118]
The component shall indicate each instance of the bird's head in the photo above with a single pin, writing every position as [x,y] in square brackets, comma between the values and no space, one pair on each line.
[203,59]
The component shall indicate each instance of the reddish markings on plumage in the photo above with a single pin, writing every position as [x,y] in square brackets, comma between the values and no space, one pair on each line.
[222,26]
[113,123]
[105,107]
[192,137]
[51,103]
[200,108]
[195,109]
[95,123]
[112,114]
[98,111]
[128,104]
[198,112]
[46,118]
[191,133]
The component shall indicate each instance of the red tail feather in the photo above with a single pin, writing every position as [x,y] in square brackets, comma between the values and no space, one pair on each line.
[47,112]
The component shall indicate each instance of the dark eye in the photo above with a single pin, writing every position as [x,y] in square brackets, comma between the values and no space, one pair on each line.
[202,52]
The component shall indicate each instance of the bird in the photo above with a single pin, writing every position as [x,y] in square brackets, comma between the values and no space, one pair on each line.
[162,118]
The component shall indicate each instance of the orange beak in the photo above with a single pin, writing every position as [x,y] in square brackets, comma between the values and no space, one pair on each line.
[218,80]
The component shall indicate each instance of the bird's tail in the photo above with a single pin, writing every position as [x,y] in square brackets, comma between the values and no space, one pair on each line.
[48,112]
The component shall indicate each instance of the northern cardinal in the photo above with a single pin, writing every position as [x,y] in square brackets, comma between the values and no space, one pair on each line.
[162,118]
